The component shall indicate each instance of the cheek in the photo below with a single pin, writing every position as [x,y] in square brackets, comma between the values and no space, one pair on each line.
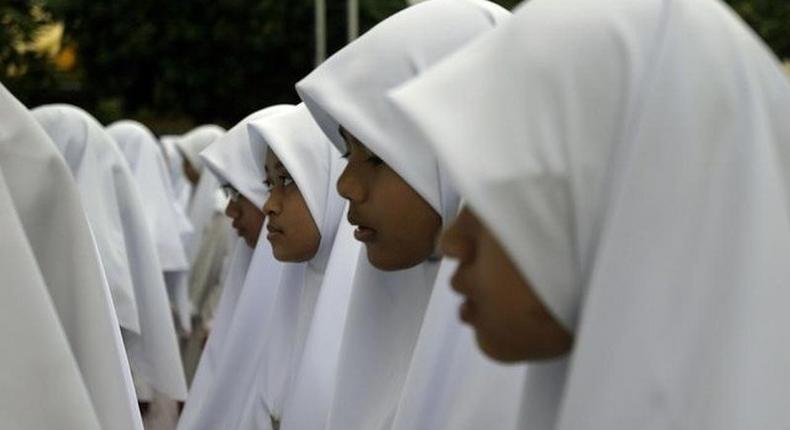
[405,217]
[302,234]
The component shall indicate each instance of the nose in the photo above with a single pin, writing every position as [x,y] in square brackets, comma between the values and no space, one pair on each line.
[273,205]
[349,185]
[232,211]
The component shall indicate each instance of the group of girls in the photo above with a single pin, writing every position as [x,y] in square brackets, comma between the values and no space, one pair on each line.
[575,216]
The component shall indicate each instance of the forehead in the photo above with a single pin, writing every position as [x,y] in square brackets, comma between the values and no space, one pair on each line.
[272,161]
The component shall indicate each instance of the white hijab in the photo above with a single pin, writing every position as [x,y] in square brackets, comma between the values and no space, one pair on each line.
[48,258]
[181,185]
[227,364]
[101,207]
[387,308]
[147,163]
[153,352]
[203,204]
[635,165]
[315,164]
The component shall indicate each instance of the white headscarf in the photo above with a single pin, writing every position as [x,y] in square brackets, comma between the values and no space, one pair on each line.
[147,163]
[67,259]
[203,204]
[101,207]
[635,163]
[56,321]
[193,143]
[387,308]
[228,361]
[181,185]
[310,396]
[153,352]
[315,165]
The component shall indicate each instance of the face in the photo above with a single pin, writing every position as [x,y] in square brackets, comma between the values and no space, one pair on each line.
[398,227]
[247,219]
[510,321]
[292,231]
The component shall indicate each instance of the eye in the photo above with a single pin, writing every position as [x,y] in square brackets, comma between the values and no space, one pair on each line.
[267,183]
[375,160]
[286,180]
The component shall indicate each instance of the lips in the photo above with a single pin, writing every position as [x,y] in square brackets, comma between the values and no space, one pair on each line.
[467,311]
[363,233]
[274,231]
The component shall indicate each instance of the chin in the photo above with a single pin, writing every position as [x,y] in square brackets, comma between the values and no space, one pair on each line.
[495,351]
[289,256]
[390,261]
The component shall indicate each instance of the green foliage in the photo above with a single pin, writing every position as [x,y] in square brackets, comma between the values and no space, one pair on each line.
[18,27]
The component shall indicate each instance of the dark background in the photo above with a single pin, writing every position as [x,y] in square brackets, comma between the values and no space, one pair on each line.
[174,64]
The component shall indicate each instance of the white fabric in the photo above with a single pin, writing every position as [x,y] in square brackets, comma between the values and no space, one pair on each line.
[349,89]
[635,162]
[308,401]
[191,144]
[175,163]
[227,365]
[314,164]
[42,387]
[233,159]
[47,206]
[451,384]
[147,163]
[201,208]
[98,197]
[153,352]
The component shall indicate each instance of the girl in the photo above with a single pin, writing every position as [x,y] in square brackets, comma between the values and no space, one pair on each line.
[631,192]
[398,199]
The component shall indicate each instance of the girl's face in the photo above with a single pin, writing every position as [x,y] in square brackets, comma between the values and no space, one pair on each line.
[247,219]
[398,227]
[292,231]
[510,321]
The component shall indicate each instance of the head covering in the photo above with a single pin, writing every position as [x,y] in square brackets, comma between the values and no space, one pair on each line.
[349,90]
[57,320]
[101,207]
[314,164]
[204,202]
[191,144]
[66,255]
[235,161]
[634,163]
[145,159]
[227,364]
[153,352]
[181,185]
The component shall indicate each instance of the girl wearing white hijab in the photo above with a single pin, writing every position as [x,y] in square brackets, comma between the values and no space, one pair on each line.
[634,178]
[204,210]
[153,352]
[145,159]
[303,214]
[63,364]
[398,199]
[221,372]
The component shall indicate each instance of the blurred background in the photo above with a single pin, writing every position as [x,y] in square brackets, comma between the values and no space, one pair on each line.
[177,63]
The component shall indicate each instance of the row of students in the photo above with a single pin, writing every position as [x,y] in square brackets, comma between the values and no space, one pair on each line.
[621,166]
[610,179]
